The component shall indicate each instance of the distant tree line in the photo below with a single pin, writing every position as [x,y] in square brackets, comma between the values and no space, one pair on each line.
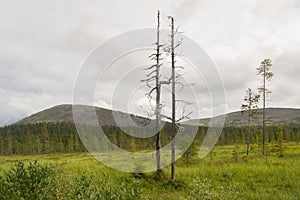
[39,138]
[61,137]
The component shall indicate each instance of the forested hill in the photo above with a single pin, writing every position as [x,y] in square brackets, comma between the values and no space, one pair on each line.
[53,131]
[274,116]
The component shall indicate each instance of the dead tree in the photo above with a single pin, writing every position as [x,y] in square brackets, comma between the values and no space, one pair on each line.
[250,105]
[173,102]
[175,79]
[154,76]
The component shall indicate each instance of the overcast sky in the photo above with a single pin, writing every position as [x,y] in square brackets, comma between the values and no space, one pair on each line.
[44,43]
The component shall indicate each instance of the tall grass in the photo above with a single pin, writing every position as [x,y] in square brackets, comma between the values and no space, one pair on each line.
[80,176]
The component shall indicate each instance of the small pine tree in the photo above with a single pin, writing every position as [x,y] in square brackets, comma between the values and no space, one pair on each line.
[264,70]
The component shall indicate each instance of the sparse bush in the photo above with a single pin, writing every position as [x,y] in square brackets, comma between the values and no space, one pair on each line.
[31,182]
[36,181]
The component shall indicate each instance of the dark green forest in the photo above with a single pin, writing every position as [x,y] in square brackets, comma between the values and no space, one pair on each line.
[61,137]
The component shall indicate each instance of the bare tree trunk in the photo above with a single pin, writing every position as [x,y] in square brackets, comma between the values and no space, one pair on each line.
[158,106]
[264,108]
[248,136]
[173,105]
[249,122]
[154,76]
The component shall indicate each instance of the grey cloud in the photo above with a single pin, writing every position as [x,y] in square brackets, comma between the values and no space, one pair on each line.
[43,45]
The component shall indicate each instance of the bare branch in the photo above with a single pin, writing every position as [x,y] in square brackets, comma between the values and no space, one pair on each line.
[184,101]
[165,116]
[154,71]
[184,117]
[148,80]
[149,93]
[151,67]
[179,67]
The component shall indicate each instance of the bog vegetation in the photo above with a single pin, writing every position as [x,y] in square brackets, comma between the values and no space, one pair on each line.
[66,171]
[228,175]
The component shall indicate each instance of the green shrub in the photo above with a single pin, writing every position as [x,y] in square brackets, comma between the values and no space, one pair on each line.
[45,182]
[31,182]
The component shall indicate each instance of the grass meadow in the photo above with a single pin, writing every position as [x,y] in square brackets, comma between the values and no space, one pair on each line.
[225,174]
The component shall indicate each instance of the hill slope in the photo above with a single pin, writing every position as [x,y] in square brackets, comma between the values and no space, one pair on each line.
[274,116]
[63,113]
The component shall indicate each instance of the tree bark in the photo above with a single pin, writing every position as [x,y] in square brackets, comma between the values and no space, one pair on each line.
[264,108]
[173,104]
[158,106]
[249,122]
